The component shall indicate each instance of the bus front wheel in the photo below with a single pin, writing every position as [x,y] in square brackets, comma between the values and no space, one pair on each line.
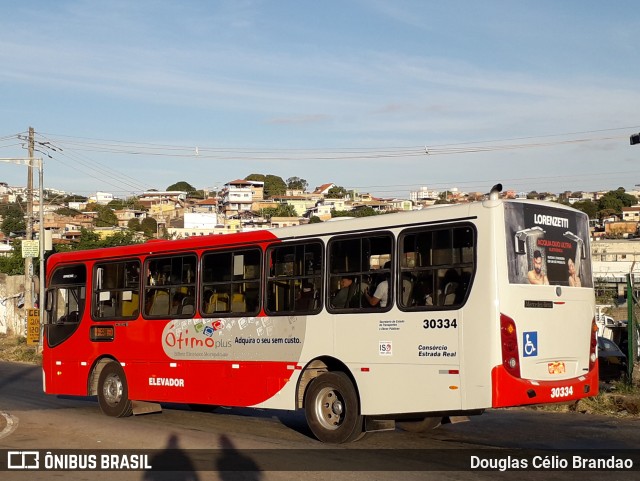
[332,409]
[113,393]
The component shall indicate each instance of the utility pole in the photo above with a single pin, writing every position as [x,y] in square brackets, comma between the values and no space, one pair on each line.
[28,261]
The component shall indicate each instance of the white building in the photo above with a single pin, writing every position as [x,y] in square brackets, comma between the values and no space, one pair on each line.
[200,220]
[237,197]
[424,194]
[102,198]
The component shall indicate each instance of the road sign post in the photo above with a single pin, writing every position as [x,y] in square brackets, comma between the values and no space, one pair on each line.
[33,327]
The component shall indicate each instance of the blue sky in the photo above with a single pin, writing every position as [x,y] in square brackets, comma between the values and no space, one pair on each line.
[140,94]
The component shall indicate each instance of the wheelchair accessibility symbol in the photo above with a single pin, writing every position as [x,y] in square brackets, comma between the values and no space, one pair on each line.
[530,343]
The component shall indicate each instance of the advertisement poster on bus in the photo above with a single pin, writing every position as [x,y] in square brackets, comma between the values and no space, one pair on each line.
[547,246]
[245,338]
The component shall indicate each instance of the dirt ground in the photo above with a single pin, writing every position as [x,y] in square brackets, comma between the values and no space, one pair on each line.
[15,349]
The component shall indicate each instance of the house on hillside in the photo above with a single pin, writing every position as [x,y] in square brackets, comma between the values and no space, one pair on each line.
[237,197]
[323,189]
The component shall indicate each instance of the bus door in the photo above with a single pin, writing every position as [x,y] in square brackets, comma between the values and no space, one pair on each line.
[64,310]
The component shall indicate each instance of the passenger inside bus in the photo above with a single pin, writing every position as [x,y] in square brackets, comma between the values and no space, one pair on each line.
[348,289]
[451,287]
[176,302]
[305,300]
[380,296]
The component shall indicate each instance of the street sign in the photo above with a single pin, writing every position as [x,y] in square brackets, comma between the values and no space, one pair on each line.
[30,248]
[33,327]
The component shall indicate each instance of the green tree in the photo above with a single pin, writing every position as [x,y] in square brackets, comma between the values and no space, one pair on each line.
[315,220]
[604,213]
[273,184]
[297,183]
[149,226]
[283,210]
[588,207]
[286,210]
[196,194]
[106,216]
[67,211]
[129,203]
[134,225]
[12,218]
[362,212]
[13,264]
[337,192]
[181,186]
[91,240]
[615,200]
[74,198]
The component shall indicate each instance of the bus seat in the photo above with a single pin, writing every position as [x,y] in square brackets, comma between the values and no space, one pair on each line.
[407,289]
[130,307]
[238,303]
[354,294]
[450,293]
[108,311]
[218,303]
[188,306]
[160,304]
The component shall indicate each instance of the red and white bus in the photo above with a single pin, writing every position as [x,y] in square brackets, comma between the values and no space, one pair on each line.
[478,312]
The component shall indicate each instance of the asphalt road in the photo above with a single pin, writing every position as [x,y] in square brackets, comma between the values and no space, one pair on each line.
[270,444]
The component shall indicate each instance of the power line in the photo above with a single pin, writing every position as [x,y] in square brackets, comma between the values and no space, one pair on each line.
[110,173]
[145,148]
[70,147]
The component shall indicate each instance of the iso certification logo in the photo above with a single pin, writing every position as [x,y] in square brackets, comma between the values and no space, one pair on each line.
[23,460]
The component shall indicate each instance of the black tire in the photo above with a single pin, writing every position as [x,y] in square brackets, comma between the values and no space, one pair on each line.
[113,392]
[419,425]
[332,409]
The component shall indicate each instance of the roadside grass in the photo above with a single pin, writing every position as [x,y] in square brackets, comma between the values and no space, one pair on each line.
[617,399]
[14,348]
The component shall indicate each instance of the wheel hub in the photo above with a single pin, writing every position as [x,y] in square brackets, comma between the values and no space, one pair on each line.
[330,408]
[112,389]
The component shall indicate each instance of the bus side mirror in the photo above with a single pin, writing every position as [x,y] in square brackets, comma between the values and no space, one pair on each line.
[48,301]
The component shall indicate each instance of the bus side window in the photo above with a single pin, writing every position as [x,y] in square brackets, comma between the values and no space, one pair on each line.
[170,286]
[295,279]
[231,282]
[436,266]
[116,290]
[359,269]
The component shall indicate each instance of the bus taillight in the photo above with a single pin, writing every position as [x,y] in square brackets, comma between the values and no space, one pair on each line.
[509,338]
[593,355]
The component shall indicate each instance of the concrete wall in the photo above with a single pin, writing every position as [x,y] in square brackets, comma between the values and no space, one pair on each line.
[13,319]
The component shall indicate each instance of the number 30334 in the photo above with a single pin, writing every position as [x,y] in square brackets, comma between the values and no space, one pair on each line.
[439,323]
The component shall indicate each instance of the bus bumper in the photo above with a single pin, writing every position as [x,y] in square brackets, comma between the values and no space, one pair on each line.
[510,391]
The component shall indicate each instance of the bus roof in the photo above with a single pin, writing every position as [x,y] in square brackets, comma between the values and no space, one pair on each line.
[433,213]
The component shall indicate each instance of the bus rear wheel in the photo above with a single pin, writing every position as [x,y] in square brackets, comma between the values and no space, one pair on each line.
[332,409]
[419,425]
[113,392]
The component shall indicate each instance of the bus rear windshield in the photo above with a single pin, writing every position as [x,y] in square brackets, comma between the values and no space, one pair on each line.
[547,246]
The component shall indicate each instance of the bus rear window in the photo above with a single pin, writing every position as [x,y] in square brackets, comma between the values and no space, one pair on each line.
[547,246]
